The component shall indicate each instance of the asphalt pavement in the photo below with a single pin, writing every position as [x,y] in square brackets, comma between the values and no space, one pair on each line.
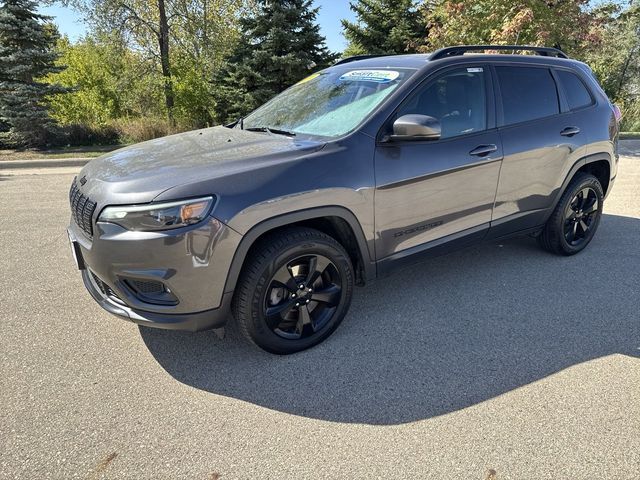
[496,362]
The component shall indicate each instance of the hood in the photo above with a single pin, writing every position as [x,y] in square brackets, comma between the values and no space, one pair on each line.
[139,173]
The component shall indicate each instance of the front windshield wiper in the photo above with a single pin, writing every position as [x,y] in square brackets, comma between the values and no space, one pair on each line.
[275,131]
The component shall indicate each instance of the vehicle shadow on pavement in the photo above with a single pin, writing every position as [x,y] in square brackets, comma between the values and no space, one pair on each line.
[439,336]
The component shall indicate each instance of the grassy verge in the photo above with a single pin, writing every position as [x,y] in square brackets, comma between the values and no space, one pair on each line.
[57,153]
[629,135]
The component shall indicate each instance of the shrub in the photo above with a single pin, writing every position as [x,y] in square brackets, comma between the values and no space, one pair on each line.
[631,116]
[66,135]
[77,134]
[121,131]
[134,130]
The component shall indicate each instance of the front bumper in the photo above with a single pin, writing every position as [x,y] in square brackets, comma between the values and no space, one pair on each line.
[215,318]
[191,262]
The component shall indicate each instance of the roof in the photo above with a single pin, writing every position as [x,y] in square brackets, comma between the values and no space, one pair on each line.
[419,60]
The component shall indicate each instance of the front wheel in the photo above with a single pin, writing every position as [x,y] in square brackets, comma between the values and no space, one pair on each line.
[575,219]
[294,290]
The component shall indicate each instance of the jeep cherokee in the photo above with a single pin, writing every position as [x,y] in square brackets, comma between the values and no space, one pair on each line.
[371,164]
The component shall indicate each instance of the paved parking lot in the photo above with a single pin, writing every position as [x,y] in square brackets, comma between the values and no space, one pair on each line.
[496,362]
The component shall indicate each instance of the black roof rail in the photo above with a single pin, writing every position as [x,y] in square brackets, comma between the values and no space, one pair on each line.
[359,57]
[462,49]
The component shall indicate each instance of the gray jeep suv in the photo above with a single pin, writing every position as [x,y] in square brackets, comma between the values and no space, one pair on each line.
[371,164]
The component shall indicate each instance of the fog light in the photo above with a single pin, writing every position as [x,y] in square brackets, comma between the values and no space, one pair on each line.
[151,291]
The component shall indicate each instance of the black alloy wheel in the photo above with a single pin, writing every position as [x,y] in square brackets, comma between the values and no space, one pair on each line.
[294,290]
[576,217]
[302,296]
[580,215]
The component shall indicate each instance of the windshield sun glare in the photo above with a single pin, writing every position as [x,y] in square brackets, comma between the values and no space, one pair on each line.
[330,103]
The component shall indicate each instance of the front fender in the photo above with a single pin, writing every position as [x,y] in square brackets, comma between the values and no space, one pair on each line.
[294,217]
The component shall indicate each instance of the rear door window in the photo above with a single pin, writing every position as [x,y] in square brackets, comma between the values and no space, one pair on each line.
[577,94]
[527,93]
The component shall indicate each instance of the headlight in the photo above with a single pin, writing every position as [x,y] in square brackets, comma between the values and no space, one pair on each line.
[158,216]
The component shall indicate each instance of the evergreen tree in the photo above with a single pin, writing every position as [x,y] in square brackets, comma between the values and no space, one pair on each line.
[27,54]
[280,45]
[384,26]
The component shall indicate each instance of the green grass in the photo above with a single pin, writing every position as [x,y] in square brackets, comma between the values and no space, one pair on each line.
[629,135]
[57,153]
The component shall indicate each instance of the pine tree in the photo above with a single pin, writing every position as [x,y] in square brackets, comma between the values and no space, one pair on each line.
[27,54]
[384,27]
[280,45]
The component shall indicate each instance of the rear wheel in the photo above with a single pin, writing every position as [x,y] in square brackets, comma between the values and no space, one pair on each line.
[576,217]
[294,291]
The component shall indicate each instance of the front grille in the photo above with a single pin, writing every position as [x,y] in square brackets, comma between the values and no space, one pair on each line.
[81,209]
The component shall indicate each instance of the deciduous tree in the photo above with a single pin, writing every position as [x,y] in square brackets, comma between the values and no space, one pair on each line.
[560,23]
[164,30]
[616,58]
[106,81]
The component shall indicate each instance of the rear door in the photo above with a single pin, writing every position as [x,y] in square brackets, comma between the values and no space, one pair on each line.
[541,140]
[433,190]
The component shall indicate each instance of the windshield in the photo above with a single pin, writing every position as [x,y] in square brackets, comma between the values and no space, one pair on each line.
[330,103]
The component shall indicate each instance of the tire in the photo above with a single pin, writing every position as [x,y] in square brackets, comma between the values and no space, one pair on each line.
[284,302]
[575,219]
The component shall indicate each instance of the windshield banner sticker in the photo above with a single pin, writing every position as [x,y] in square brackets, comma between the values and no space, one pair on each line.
[378,76]
[308,79]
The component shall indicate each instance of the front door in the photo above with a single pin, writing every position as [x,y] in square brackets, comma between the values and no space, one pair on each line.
[443,189]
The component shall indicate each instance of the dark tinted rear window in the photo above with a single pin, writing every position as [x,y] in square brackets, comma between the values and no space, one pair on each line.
[527,93]
[575,91]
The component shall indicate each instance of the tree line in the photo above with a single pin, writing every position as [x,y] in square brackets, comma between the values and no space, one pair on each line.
[146,68]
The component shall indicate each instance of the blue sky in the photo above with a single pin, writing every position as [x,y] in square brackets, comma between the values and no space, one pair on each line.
[331,11]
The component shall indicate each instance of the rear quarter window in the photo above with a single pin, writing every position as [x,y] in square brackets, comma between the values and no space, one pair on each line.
[574,90]
[527,93]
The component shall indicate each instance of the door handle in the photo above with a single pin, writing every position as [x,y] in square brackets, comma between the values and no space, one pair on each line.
[570,131]
[482,150]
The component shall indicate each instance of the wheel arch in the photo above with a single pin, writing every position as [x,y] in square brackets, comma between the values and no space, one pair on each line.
[601,169]
[598,164]
[337,222]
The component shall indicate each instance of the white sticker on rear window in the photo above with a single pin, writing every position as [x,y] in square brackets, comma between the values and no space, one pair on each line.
[377,76]
[474,69]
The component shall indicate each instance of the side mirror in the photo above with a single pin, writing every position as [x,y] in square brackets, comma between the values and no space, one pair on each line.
[415,127]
